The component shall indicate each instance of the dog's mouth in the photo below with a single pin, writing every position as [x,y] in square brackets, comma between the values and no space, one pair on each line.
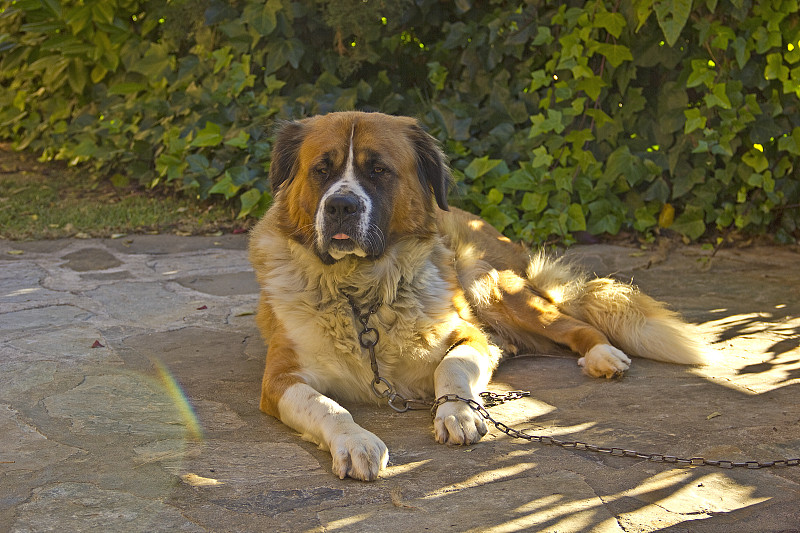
[341,244]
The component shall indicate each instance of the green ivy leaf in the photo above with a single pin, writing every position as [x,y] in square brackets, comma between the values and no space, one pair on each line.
[222,58]
[239,140]
[78,17]
[98,73]
[600,117]
[541,158]
[672,16]
[690,223]
[756,160]
[273,84]
[553,123]
[103,12]
[741,51]
[263,17]
[494,197]
[520,180]
[543,36]
[592,86]
[659,190]
[534,202]
[76,75]
[616,54]
[700,75]
[251,200]
[643,10]
[170,166]
[775,69]
[562,177]
[240,175]
[480,166]
[718,97]
[790,142]
[644,219]
[694,120]
[607,223]
[684,182]
[226,187]
[613,23]
[154,62]
[208,136]
[618,163]
[575,218]
[282,52]
[578,137]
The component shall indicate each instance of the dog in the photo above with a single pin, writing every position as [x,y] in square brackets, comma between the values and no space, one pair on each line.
[360,242]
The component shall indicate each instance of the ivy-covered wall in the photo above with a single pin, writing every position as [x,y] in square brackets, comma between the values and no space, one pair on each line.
[558,117]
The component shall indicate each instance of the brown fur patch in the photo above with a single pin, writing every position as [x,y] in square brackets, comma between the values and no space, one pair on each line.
[281,369]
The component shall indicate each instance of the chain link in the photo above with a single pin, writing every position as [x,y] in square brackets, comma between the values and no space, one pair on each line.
[490,399]
[368,338]
[616,452]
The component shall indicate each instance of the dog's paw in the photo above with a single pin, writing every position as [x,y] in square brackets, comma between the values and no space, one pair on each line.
[359,454]
[458,423]
[604,360]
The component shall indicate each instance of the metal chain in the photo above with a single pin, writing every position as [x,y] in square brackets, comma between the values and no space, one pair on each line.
[490,399]
[368,338]
[617,452]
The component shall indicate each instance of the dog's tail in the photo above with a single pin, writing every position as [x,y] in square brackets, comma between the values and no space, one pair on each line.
[633,321]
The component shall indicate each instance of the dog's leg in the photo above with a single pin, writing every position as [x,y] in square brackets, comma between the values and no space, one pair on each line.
[464,371]
[599,358]
[356,452]
[520,315]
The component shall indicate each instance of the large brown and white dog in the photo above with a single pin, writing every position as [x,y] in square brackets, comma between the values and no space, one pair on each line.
[360,215]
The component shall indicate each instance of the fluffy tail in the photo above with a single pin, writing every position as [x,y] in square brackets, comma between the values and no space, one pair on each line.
[633,321]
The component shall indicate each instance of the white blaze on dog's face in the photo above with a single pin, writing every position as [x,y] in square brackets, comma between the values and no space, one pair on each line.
[357,181]
[344,213]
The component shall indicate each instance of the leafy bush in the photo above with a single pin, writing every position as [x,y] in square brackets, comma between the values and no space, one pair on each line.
[559,117]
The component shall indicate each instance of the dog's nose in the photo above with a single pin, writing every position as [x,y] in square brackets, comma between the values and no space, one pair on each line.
[341,205]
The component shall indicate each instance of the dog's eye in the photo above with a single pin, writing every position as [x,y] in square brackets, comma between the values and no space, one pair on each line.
[378,170]
[321,170]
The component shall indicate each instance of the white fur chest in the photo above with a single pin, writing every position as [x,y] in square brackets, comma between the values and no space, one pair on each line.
[413,320]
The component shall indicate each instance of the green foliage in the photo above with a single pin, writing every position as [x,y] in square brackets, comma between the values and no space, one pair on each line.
[559,117]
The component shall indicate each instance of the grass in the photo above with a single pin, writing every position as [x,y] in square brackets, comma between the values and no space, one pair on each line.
[50,200]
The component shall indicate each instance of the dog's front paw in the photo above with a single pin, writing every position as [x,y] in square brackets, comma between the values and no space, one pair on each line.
[604,360]
[359,454]
[458,423]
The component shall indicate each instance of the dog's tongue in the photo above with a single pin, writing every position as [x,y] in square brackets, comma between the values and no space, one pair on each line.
[341,236]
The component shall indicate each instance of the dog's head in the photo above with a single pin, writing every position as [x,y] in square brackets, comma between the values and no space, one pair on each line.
[351,183]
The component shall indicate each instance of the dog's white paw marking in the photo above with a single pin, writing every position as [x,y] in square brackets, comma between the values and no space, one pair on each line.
[358,454]
[458,423]
[604,360]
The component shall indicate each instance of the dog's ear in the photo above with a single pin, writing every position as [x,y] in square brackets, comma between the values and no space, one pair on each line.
[284,154]
[432,168]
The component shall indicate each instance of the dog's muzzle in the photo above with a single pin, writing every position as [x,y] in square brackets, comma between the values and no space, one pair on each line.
[342,226]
